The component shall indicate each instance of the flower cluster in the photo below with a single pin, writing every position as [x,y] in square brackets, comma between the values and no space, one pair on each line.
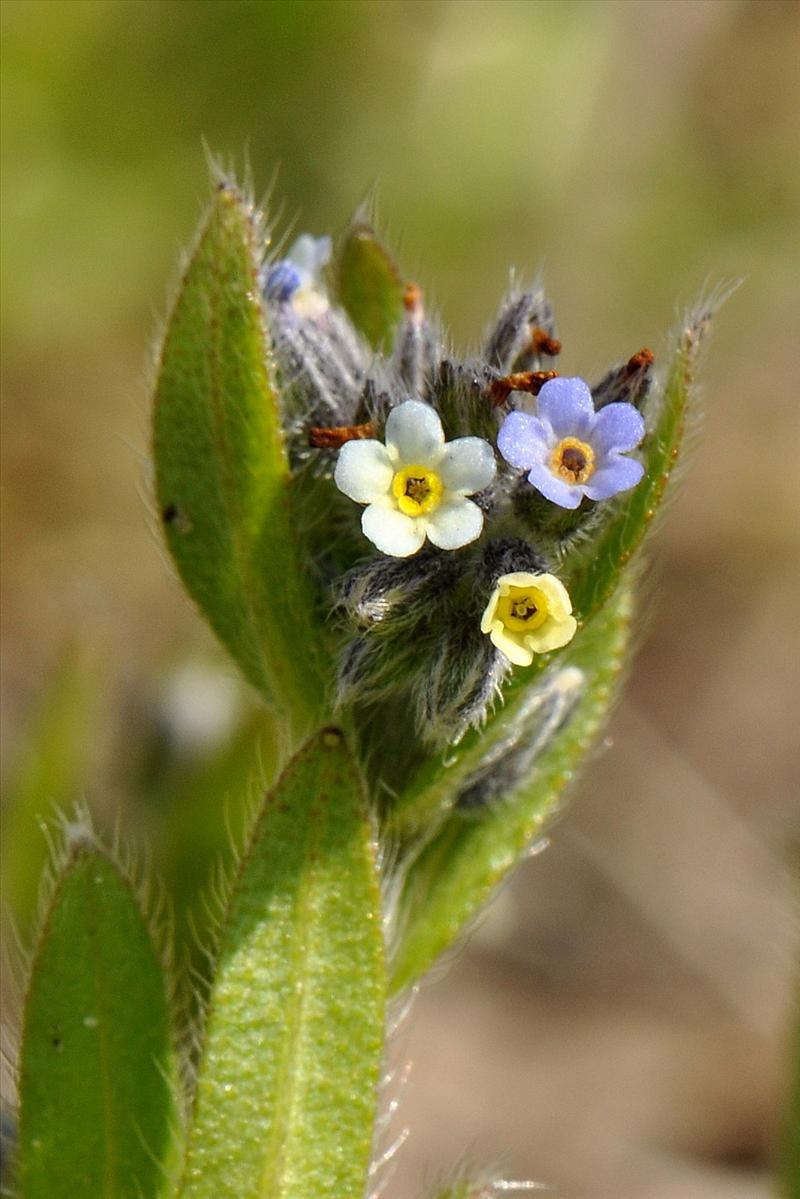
[436,456]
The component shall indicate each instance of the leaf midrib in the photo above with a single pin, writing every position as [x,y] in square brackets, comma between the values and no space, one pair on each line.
[288,1079]
[239,540]
[110,1171]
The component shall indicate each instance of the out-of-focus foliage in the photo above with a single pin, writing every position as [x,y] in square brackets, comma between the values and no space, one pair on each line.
[635,149]
[48,776]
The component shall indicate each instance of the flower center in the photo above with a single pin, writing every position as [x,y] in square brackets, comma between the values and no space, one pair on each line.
[572,460]
[523,610]
[417,489]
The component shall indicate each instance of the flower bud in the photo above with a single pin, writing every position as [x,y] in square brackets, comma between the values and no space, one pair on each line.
[523,332]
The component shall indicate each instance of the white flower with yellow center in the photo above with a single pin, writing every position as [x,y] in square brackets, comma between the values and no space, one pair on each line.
[416,485]
[528,614]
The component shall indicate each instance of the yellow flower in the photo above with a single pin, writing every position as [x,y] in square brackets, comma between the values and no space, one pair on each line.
[528,614]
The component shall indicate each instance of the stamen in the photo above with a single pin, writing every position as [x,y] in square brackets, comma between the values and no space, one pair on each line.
[522,613]
[639,361]
[542,343]
[333,437]
[572,460]
[529,381]
[412,300]
[524,609]
[417,490]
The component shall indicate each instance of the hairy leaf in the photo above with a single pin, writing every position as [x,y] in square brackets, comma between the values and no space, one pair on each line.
[594,569]
[369,285]
[97,1086]
[286,1092]
[222,473]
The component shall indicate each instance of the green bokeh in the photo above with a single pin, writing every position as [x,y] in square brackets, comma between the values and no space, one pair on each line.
[633,149]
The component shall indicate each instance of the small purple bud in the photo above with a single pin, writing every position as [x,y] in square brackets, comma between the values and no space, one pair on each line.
[283,281]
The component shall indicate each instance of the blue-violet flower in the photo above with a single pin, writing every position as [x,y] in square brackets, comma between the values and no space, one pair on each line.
[571,451]
[416,485]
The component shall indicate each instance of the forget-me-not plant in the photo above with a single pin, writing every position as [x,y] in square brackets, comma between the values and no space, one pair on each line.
[425,564]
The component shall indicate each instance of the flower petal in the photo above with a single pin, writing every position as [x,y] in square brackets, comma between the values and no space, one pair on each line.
[310,254]
[552,635]
[283,280]
[455,524]
[617,427]
[364,471]
[616,474]
[488,619]
[554,489]
[559,604]
[523,440]
[514,650]
[392,532]
[467,465]
[567,406]
[414,433]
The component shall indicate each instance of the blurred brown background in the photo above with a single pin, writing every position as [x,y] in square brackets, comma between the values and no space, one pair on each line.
[618,1026]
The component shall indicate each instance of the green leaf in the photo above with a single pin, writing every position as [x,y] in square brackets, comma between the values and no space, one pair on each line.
[286,1091]
[369,285]
[97,1076]
[222,472]
[593,571]
[476,846]
[47,777]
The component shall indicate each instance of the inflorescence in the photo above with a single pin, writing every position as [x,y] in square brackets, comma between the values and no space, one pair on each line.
[429,489]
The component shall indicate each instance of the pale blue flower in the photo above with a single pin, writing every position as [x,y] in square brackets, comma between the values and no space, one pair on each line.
[298,276]
[571,451]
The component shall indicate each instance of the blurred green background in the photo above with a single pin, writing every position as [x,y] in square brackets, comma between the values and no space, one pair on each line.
[619,1025]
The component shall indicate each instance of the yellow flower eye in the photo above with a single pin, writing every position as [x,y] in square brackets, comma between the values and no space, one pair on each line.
[417,489]
[523,610]
[572,460]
